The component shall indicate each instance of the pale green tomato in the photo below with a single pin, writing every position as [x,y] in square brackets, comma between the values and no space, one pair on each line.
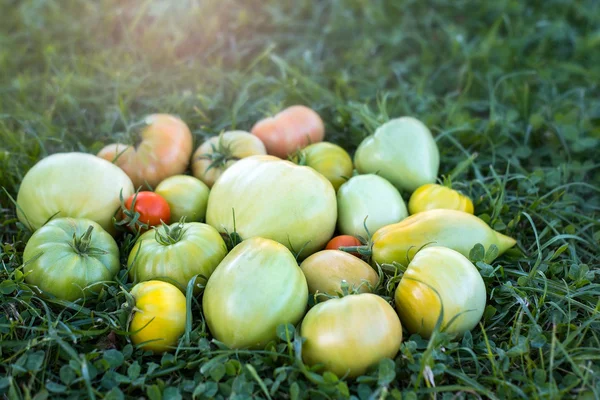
[187,197]
[76,185]
[350,334]
[277,200]
[176,253]
[436,277]
[402,151]
[257,287]
[328,159]
[368,196]
[70,258]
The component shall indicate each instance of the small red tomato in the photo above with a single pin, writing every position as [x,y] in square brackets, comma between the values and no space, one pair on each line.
[343,241]
[152,208]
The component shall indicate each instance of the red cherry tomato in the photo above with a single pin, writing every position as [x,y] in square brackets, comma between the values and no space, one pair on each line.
[343,241]
[152,207]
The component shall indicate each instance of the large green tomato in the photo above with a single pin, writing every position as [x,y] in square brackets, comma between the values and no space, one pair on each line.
[70,258]
[187,197]
[351,334]
[436,277]
[368,196]
[329,159]
[257,287]
[74,185]
[274,199]
[176,253]
[402,151]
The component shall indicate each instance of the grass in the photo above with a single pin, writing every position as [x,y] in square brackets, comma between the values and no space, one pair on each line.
[515,82]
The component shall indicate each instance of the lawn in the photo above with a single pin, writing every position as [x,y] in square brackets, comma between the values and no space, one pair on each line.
[515,83]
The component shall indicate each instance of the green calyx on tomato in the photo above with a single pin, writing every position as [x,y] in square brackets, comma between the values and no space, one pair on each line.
[143,210]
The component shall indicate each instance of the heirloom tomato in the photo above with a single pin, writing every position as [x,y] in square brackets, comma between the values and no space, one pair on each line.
[329,159]
[143,210]
[187,197]
[433,196]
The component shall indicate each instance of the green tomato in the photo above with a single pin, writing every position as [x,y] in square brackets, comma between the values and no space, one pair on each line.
[176,253]
[371,197]
[329,159]
[76,185]
[439,276]
[274,199]
[70,258]
[402,151]
[187,197]
[257,287]
[351,334]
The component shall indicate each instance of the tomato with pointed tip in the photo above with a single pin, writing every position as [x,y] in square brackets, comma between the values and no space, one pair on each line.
[153,210]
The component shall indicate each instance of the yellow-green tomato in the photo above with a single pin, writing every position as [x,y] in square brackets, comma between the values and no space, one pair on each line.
[159,315]
[257,287]
[176,253]
[325,270]
[433,196]
[350,334]
[372,197]
[187,197]
[329,159]
[457,230]
[402,151]
[274,199]
[436,278]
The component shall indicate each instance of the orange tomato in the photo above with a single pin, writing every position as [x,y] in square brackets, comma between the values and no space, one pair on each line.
[291,129]
[343,241]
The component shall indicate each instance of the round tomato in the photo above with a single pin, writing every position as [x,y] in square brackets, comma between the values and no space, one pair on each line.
[159,316]
[257,287]
[351,334]
[439,279]
[70,258]
[329,159]
[371,197]
[344,241]
[274,199]
[402,151]
[143,210]
[290,130]
[187,197]
[433,196]
[176,253]
[220,152]
[325,270]
[163,150]
[74,185]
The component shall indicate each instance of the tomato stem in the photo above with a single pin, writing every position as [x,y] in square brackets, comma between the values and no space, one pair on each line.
[81,244]
[364,250]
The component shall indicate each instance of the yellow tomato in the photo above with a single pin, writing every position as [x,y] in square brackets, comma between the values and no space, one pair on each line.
[159,318]
[329,159]
[436,277]
[433,196]
[187,197]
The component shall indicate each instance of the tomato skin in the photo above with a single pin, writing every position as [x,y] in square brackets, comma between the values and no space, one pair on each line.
[53,263]
[274,199]
[187,197]
[230,146]
[344,241]
[290,130]
[402,151]
[368,196]
[257,287]
[190,248]
[351,334]
[160,320]
[460,287]
[329,159]
[165,150]
[325,270]
[152,207]
[76,185]
[432,196]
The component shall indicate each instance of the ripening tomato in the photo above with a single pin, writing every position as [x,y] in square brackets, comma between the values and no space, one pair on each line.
[152,208]
[159,316]
[187,197]
[344,241]
[329,159]
[290,130]
[433,196]
[164,150]
[440,277]
[351,334]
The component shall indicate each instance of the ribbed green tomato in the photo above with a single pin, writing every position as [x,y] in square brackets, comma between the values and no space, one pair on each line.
[257,287]
[436,277]
[351,334]
[69,258]
[187,197]
[274,199]
[368,196]
[176,253]
[402,151]
[329,159]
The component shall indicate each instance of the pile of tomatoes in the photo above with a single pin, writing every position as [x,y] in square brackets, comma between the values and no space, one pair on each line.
[252,231]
